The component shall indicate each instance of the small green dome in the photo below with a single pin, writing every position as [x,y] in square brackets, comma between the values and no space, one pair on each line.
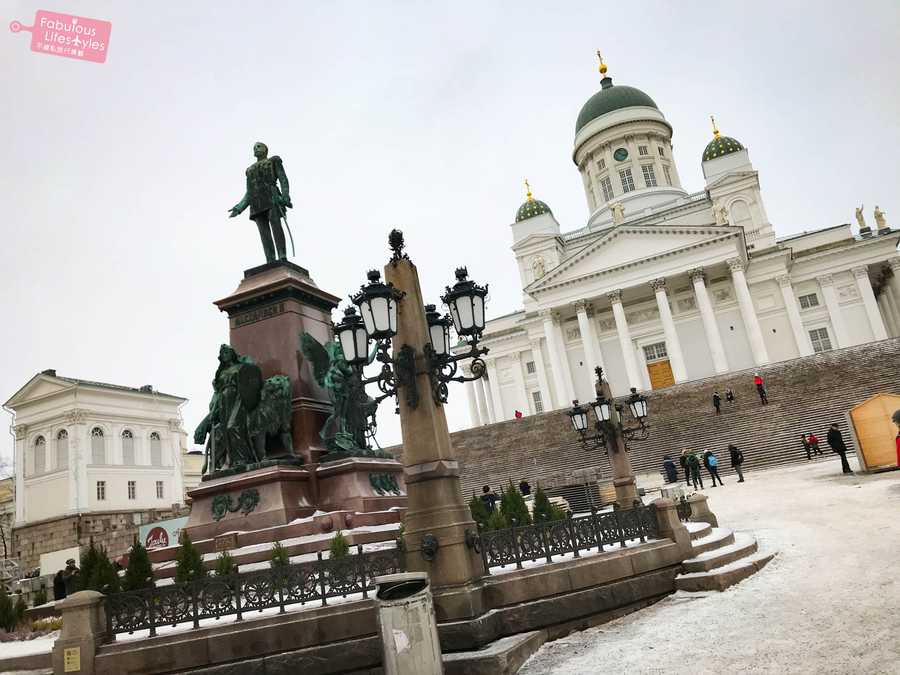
[611,98]
[721,146]
[532,208]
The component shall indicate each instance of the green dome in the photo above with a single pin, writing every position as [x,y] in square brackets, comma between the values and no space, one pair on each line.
[611,98]
[532,208]
[721,146]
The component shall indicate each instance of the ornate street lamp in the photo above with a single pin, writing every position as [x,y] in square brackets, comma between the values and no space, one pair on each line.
[438,330]
[579,417]
[354,339]
[466,304]
[608,426]
[377,304]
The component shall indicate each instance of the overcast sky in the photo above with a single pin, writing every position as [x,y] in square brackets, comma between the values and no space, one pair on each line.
[116,177]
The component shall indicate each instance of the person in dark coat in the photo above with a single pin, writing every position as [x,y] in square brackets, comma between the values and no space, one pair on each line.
[685,467]
[737,459]
[59,586]
[489,498]
[524,488]
[729,395]
[717,403]
[71,576]
[670,469]
[836,441]
[711,462]
[694,466]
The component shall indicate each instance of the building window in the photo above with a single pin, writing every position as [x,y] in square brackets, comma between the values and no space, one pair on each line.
[808,300]
[159,489]
[538,403]
[656,352]
[662,152]
[62,449]
[155,449]
[98,446]
[667,175]
[627,180]
[40,454]
[101,490]
[530,368]
[132,489]
[606,186]
[642,150]
[127,448]
[602,163]
[649,175]
[820,340]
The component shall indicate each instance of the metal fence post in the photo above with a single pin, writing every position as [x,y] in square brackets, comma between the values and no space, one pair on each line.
[515,540]
[321,569]
[151,611]
[236,581]
[571,530]
[619,528]
[193,586]
[484,559]
[598,533]
[542,529]
[363,571]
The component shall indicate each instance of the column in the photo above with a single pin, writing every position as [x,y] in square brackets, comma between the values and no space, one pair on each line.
[474,416]
[710,327]
[894,283]
[485,404]
[826,283]
[592,354]
[559,363]
[519,379]
[631,369]
[890,310]
[861,274]
[748,312]
[673,344]
[543,383]
[176,433]
[20,431]
[804,346]
[494,383]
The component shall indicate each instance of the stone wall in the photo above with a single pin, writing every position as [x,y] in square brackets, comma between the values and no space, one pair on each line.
[115,531]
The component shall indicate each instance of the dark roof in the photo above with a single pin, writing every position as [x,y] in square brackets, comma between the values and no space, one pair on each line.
[611,98]
[146,389]
[532,208]
[720,146]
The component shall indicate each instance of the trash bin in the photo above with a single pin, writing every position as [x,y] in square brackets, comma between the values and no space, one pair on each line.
[408,627]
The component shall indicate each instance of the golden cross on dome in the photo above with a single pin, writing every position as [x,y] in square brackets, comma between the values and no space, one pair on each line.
[602,67]
[528,191]
[715,128]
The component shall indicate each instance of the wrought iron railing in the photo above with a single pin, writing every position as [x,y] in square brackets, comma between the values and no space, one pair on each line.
[216,596]
[544,540]
[684,509]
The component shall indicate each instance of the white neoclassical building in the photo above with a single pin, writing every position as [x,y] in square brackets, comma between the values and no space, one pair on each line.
[661,286]
[87,447]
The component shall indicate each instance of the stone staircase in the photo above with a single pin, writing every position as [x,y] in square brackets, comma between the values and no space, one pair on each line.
[721,559]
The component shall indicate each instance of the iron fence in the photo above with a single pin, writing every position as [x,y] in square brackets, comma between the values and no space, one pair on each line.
[544,540]
[217,596]
[684,510]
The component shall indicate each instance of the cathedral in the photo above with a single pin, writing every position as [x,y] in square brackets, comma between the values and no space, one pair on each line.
[659,286]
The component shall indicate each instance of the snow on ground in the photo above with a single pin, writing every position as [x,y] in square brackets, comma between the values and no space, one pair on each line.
[828,603]
[9,650]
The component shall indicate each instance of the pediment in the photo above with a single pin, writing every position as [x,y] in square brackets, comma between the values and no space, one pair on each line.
[534,239]
[39,386]
[630,245]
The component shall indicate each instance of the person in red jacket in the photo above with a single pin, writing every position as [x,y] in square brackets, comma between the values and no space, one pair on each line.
[896,420]
[760,388]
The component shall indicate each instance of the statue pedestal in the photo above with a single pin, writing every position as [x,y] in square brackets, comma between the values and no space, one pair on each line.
[271,307]
[360,484]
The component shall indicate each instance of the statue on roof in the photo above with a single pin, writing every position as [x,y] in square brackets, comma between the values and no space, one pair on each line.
[880,219]
[618,212]
[720,213]
[860,218]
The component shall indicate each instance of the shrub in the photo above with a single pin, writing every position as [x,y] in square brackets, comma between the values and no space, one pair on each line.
[496,521]
[339,547]
[8,619]
[225,564]
[401,542]
[189,563]
[280,557]
[513,507]
[139,573]
[544,510]
[89,560]
[47,625]
[40,597]
[104,577]
[480,513]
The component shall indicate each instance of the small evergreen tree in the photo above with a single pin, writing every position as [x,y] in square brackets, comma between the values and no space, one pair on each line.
[7,611]
[545,510]
[104,577]
[189,563]
[339,547]
[401,542]
[19,609]
[496,521]
[480,513]
[40,597]
[139,573]
[88,562]
[280,557]
[513,507]
[225,564]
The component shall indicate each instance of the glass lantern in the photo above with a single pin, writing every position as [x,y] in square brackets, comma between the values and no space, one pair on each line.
[438,330]
[579,417]
[353,338]
[638,405]
[377,304]
[601,409]
[466,303]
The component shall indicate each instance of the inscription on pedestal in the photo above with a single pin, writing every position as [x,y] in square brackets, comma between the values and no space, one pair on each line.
[257,314]
[226,542]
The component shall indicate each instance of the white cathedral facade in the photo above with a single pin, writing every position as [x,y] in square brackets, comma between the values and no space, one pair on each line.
[661,286]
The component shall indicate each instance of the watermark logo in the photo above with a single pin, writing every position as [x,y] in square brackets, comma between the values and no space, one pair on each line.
[75,37]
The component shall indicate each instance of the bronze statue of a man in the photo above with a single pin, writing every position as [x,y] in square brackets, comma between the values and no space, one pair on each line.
[267,203]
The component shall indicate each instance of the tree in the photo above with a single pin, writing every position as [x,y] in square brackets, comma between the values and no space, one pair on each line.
[544,509]
[40,597]
[480,513]
[104,577]
[7,611]
[89,560]
[139,573]
[513,507]
[496,521]
[189,563]
[280,557]
[225,564]
[339,547]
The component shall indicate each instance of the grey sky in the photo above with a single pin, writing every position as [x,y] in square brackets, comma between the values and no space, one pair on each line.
[116,177]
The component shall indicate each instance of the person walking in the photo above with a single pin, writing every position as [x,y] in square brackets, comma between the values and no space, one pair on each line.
[760,388]
[670,469]
[685,467]
[717,402]
[806,446]
[836,441]
[694,466]
[814,444]
[711,462]
[729,395]
[737,459]
[59,586]
[489,498]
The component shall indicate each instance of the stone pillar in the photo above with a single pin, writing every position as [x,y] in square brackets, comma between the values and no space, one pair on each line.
[543,383]
[673,344]
[890,310]
[494,387]
[861,274]
[474,415]
[436,511]
[619,459]
[631,368]
[83,631]
[804,346]
[670,527]
[519,378]
[748,312]
[559,362]
[486,401]
[894,283]
[826,283]
[700,512]
[178,492]
[710,327]
[592,354]
[20,430]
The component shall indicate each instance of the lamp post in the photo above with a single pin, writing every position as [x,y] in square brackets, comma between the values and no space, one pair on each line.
[609,432]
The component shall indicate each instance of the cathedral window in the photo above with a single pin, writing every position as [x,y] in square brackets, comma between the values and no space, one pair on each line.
[656,352]
[155,449]
[530,368]
[159,489]
[101,490]
[627,180]
[662,151]
[642,150]
[667,174]
[820,340]
[649,175]
[602,163]
[127,448]
[62,449]
[809,300]
[538,403]
[98,446]
[40,455]
[132,489]
[606,186]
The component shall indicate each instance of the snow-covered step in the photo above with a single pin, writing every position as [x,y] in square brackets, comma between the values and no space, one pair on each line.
[722,577]
[698,530]
[717,538]
[743,546]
